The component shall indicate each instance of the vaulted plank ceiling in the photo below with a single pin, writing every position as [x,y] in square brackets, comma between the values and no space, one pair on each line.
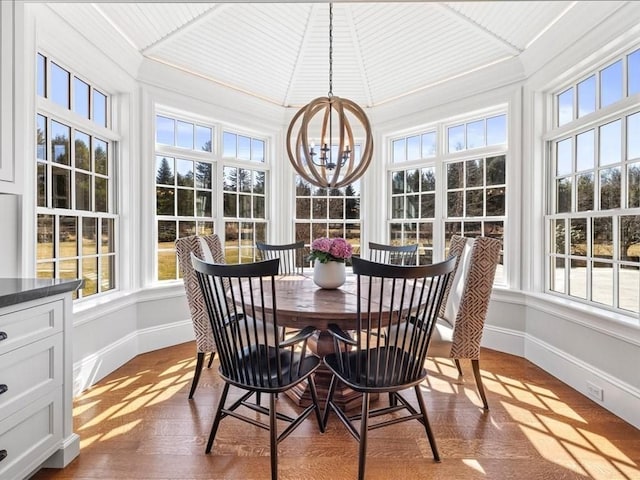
[279,51]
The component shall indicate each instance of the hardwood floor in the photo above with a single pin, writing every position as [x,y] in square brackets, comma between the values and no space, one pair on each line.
[138,424]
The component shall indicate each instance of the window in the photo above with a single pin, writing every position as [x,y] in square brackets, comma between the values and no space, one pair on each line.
[245,196]
[414,147]
[599,89]
[244,207]
[192,179]
[483,132]
[466,191]
[76,220]
[593,218]
[476,199]
[413,209]
[184,183]
[242,147]
[328,212]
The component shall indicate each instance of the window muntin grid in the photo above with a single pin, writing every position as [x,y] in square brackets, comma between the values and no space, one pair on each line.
[76,221]
[244,209]
[183,134]
[482,132]
[476,199]
[414,147]
[606,86]
[184,187]
[594,226]
[413,208]
[593,220]
[242,147]
[245,195]
[323,212]
[469,194]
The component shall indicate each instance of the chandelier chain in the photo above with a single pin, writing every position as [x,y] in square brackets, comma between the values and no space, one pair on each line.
[330,94]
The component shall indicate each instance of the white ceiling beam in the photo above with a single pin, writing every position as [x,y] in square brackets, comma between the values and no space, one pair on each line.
[313,13]
[214,10]
[512,49]
[356,43]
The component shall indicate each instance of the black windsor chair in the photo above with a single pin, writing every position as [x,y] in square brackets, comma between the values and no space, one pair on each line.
[393,254]
[253,357]
[291,256]
[387,295]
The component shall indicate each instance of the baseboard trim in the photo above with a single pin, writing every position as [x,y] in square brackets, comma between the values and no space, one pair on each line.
[619,398]
[98,365]
[61,458]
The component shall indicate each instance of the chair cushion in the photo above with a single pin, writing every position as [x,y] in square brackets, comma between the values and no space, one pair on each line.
[455,295]
[441,339]
[207,255]
[401,371]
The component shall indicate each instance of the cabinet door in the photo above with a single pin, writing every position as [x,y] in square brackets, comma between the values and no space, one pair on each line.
[29,372]
[31,435]
[29,322]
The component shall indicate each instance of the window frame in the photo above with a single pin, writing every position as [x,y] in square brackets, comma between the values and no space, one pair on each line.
[558,247]
[435,251]
[107,220]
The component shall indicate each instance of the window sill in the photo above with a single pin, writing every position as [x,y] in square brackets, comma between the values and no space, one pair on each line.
[625,327]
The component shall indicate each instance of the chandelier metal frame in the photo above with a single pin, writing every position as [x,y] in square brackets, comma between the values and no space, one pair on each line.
[334,167]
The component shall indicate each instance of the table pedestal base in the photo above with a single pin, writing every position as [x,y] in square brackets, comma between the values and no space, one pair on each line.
[344,397]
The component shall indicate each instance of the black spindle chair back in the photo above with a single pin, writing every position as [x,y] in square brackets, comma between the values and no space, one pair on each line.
[291,256]
[393,254]
[408,299]
[241,304]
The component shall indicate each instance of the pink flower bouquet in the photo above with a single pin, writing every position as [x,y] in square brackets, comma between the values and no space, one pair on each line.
[330,250]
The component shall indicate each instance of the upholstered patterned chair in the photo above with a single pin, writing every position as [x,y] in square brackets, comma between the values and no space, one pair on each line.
[458,332]
[208,248]
[457,248]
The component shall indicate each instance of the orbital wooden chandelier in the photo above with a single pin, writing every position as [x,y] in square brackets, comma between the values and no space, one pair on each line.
[329,119]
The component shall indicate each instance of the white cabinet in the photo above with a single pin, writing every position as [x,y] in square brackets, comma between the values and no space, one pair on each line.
[36,424]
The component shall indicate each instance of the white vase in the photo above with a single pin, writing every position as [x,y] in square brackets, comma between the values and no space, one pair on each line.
[329,275]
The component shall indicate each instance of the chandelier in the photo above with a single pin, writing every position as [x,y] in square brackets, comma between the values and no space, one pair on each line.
[336,161]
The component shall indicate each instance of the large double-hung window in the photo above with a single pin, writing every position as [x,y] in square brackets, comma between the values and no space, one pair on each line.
[76,189]
[593,217]
[184,180]
[446,180]
[207,182]
[244,186]
[327,212]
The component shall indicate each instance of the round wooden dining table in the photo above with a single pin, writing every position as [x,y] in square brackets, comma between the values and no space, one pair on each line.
[300,303]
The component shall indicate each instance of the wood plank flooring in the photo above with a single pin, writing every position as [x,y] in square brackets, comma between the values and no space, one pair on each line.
[138,424]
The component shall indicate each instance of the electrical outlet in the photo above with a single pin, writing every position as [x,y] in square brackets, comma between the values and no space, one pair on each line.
[595,392]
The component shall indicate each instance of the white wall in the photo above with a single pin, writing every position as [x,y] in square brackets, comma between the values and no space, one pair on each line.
[573,343]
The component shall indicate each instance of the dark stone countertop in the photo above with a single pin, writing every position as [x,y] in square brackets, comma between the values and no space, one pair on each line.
[18,290]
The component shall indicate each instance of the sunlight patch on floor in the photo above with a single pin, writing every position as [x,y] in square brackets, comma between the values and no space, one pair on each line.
[522,415]
[88,441]
[120,430]
[551,449]
[138,391]
[106,415]
[176,368]
[168,393]
[474,464]
[604,446]
[80,409]
[564,431]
